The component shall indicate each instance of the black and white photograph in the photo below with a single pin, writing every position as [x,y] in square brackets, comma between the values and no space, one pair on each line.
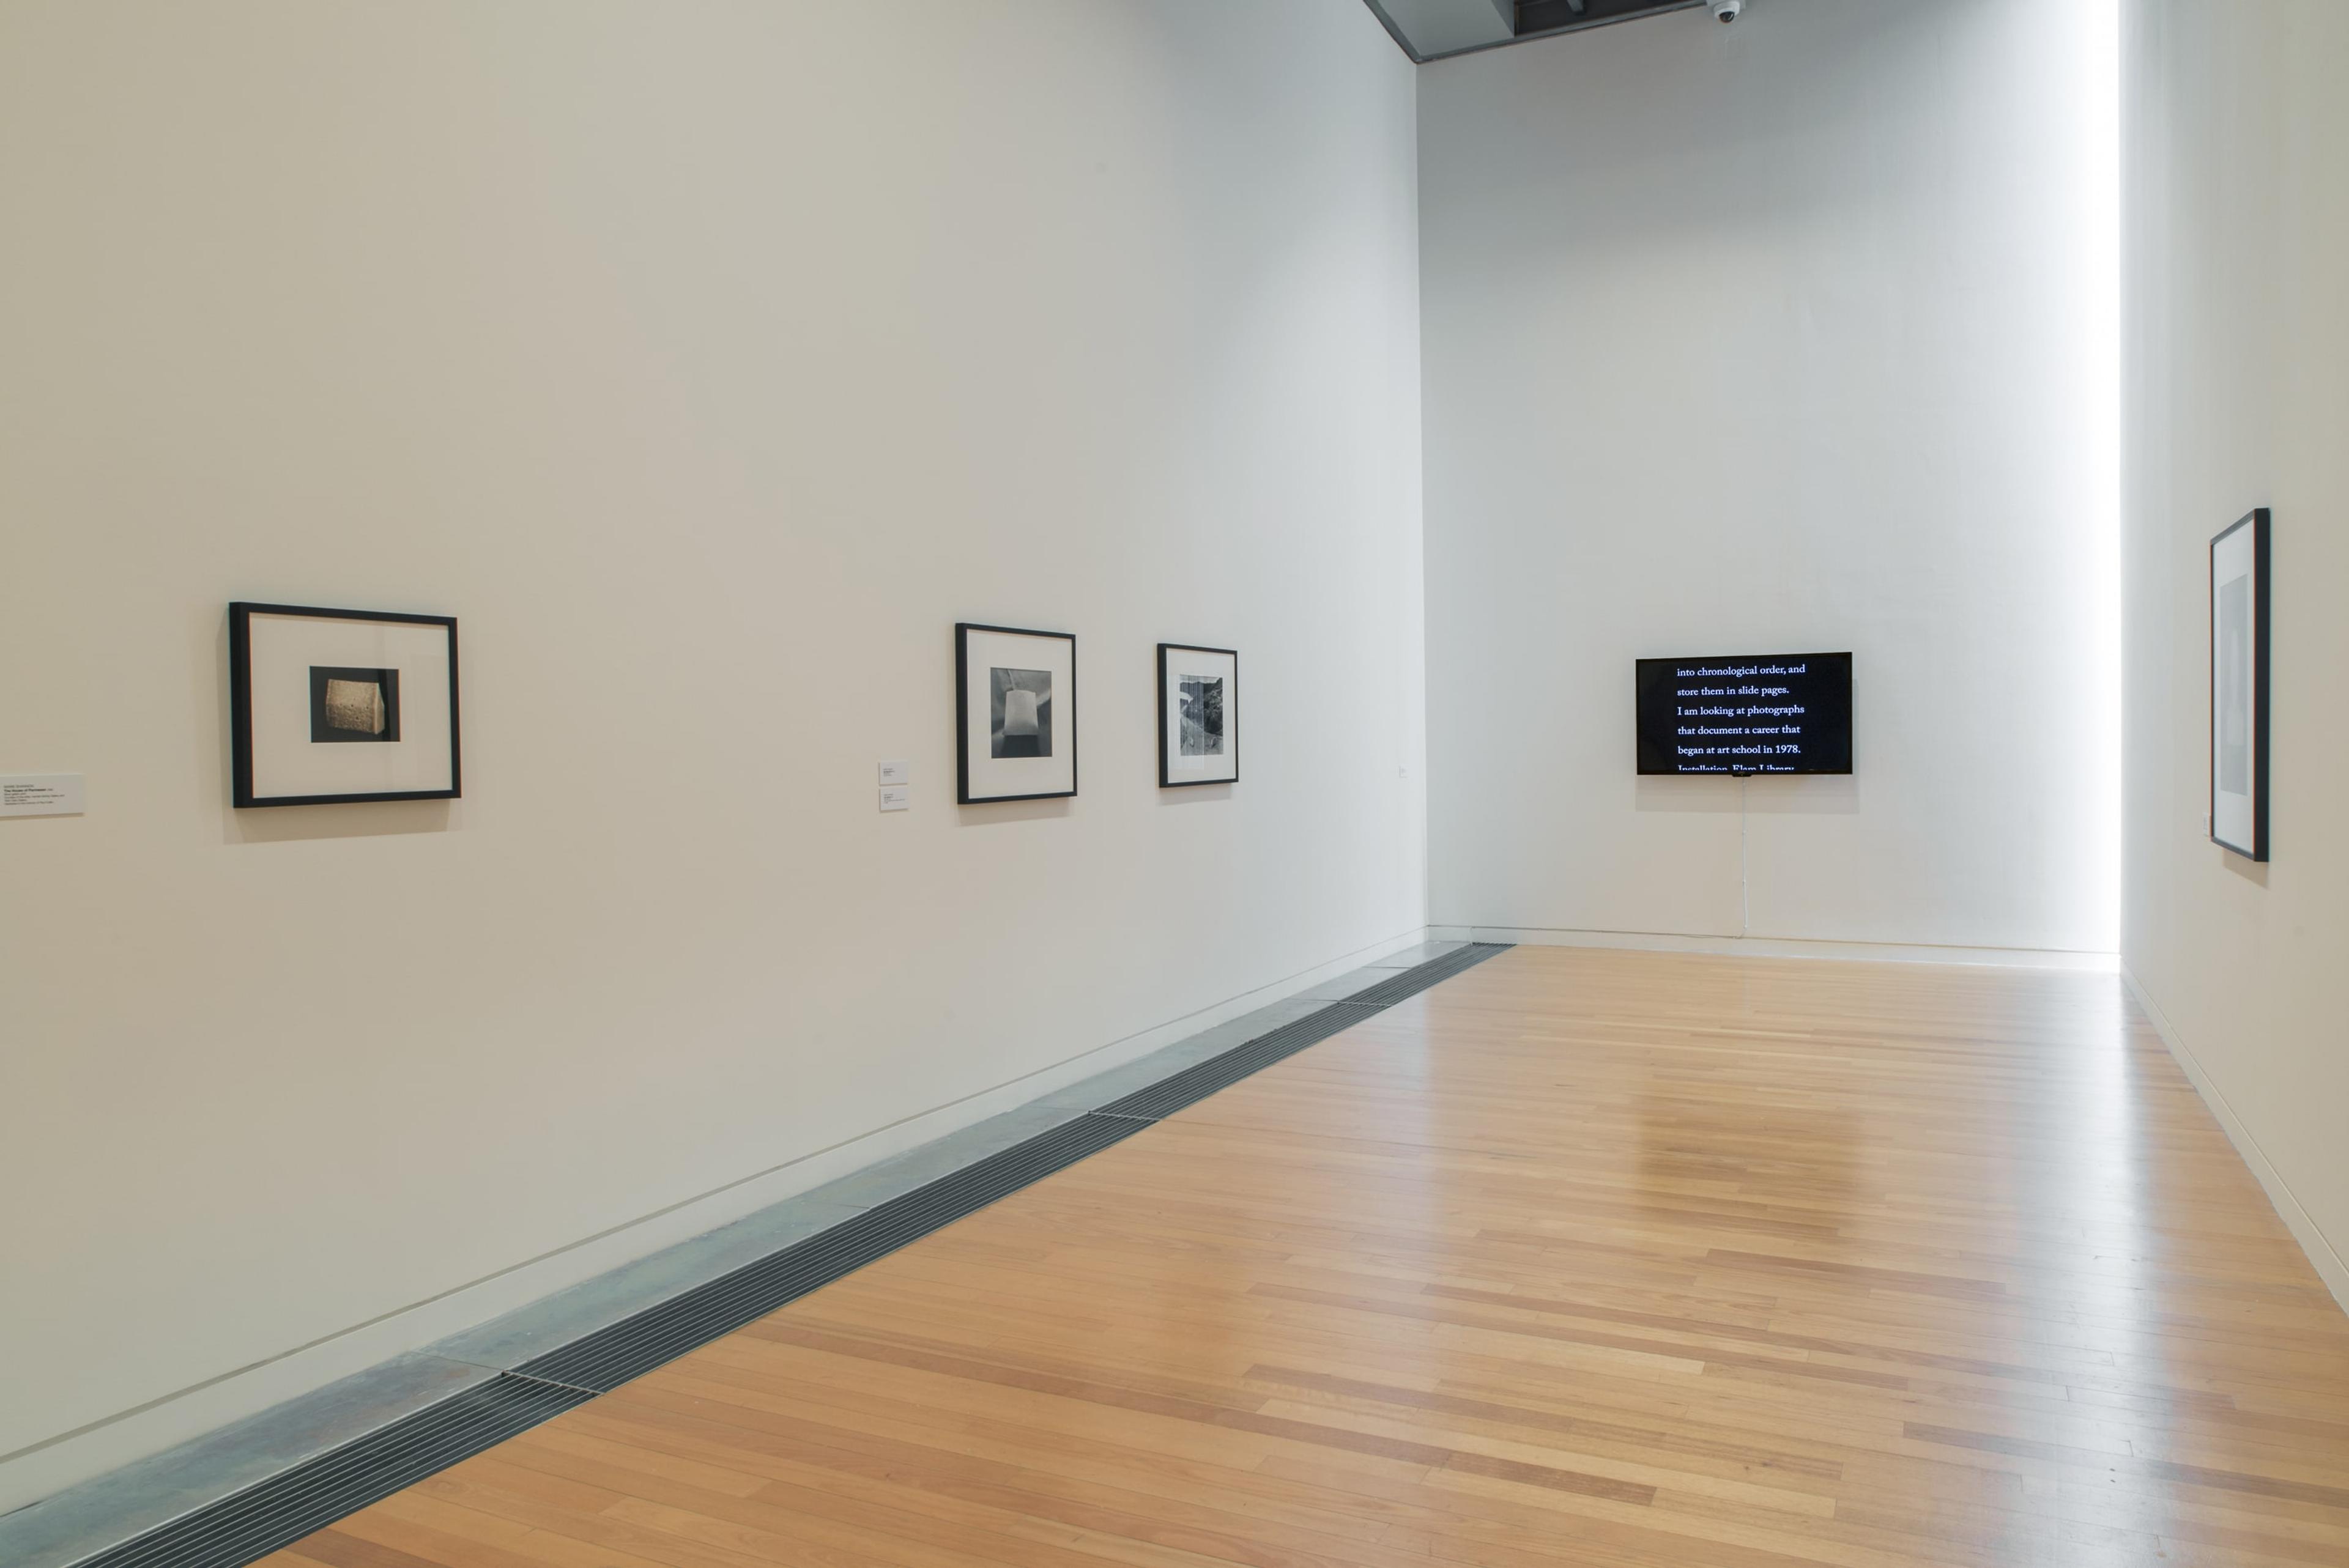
[1198,715]
[1200,700]
[1015,717]
[328,706]
[2239,686]
[1020,709]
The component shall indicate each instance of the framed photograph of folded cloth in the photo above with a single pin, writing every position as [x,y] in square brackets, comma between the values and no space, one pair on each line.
[1198,716]
[1015,714]
[333,705]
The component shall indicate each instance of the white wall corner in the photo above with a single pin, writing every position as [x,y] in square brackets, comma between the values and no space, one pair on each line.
[2327,1261]
[1784,947]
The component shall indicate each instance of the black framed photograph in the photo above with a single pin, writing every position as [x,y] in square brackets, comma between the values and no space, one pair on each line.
[1198,716]
[2239,686]
[1015,714]
[334,706]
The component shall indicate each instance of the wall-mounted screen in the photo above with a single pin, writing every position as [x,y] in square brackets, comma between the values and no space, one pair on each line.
[1753,713]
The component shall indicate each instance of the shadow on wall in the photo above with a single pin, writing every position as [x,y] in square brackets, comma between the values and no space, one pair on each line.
[281,824]
[1194,795]
[1811,795]
[980,813]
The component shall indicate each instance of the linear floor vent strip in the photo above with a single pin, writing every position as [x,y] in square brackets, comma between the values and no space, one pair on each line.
[248,1525]
[635,1346]
[1435,971]
[251,1524]
[1194,1084]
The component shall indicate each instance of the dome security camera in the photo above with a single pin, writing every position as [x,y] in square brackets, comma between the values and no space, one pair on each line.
[1726,10]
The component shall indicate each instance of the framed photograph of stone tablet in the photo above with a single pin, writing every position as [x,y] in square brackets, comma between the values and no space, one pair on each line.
[2239,686]
[1198,716]
[1015,714]
[334,706]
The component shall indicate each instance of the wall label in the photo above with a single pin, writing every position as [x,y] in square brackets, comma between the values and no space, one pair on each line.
[40,794]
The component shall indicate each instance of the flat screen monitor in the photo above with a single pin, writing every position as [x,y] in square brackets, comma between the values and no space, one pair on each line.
[1750,713]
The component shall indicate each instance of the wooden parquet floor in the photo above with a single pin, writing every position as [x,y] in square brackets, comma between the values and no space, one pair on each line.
[1582,1257]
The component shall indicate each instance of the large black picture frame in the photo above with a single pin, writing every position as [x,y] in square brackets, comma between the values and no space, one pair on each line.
[1065,716]
[1166,781]
[241,711]
[2244,831]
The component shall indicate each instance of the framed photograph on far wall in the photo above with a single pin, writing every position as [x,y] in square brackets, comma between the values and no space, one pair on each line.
[334,706]
[2239,686]
[1015,714]
[1198,716]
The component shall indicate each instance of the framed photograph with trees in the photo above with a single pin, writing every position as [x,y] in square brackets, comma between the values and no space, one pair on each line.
[1198,716]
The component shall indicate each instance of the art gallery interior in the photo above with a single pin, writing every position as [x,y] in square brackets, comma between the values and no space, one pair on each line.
[1752,986]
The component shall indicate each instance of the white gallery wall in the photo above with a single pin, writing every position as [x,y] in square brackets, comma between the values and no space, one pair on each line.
[1790,336]
[709,361]
[2236,350]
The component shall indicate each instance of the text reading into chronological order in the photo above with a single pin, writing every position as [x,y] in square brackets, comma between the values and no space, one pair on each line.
[1743,695]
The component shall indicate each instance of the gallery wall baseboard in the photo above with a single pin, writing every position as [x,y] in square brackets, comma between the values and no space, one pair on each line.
[2322,1255]
[191,1413]
[1780,947]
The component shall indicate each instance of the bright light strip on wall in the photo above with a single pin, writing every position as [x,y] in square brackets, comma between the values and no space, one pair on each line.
[2100,253]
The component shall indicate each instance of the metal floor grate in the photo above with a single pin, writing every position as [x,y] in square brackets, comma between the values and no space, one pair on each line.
[610,1357]
[1194,1084]
[1419,977]
[250,1524]
[315,1493]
